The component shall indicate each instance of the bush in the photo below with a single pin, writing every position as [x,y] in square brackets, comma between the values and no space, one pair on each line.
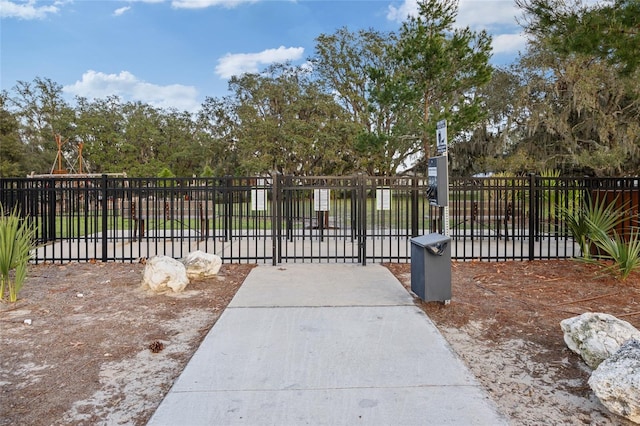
[625,254]
[16,242]
[594,218]
[593,225]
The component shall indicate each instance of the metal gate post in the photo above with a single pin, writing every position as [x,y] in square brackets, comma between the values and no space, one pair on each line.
[362,215]
[52,196]
[286,202]
[414,206]
[533,212]
[276,220]
[105,216]
[228,207]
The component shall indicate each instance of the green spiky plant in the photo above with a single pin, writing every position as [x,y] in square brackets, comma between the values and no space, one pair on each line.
[17,238]
[625,254]
[594,219]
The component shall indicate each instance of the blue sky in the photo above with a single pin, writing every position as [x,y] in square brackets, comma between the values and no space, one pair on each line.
[174,53]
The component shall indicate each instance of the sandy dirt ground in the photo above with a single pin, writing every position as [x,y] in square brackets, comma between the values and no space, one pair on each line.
[99,349]
[504,322]
[85,345]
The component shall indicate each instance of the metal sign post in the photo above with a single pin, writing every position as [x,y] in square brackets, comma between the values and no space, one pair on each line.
[442,148]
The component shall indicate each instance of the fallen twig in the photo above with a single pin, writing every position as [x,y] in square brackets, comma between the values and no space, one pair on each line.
[586,299]
[629,314]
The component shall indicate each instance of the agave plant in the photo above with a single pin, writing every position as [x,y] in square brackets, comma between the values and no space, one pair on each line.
[16,241]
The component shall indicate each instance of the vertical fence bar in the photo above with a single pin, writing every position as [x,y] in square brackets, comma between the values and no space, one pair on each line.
[533,196]
[414,206]
[276,220]
[50,192]
[105,217]
[362,209]
[228,215]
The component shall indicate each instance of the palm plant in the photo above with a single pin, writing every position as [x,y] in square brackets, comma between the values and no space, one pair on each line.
[625,254]
[16,241]
[596,219]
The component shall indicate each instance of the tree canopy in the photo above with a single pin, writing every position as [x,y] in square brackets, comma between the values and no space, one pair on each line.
[368,102]
[608,30]
[444,67]
[579,90]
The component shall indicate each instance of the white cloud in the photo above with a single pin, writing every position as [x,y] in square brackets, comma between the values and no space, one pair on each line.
[27,9]
[240,63]
[129,88]
[478,13]
[483,14]
[121,10]
[472,13]
[497,17]
[399,14]
[509,43]
[201,4]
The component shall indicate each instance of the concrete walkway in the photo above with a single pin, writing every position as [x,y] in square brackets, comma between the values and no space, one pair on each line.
[325,344]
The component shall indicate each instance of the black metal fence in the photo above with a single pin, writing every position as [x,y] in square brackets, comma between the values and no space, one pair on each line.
[279,219]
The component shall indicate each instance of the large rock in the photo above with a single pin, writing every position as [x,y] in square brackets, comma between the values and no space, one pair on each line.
[201,265]
[163,274]
[596,336]
[616,381]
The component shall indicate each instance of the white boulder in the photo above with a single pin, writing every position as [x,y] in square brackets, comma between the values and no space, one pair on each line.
[201,265]
[616,381]
[596,336]
[162,274]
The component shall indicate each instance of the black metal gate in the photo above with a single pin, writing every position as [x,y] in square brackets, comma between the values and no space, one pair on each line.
[317,218]
[349,219]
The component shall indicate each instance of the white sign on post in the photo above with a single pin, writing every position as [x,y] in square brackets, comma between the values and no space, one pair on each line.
[259,197]
[441,136]
[383,199]
[321,200]
[432,174]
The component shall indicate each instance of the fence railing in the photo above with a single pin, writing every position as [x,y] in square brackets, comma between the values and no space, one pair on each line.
[279,218]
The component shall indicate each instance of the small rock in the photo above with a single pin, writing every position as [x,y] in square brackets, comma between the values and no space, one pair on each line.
[162,274]
[80,295]
[202,265]
[616,381]
[27,322]
[596,336]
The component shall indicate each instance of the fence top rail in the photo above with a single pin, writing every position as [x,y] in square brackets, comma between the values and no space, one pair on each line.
[113,182]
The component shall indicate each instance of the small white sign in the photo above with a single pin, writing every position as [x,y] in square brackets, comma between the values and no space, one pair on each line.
[383,199]
[321,200]
[432,173]
[441,136]
[259,197]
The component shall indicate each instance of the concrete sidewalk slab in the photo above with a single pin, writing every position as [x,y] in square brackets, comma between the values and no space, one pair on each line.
[321,285]
[327,345]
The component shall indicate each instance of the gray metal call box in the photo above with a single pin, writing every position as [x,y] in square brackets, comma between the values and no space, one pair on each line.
[431,267]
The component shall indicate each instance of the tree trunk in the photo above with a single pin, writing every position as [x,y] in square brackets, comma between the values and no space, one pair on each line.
[425,138]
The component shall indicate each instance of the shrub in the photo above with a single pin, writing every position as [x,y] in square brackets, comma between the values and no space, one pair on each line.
[625,254]
[596,218]
[16,241]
